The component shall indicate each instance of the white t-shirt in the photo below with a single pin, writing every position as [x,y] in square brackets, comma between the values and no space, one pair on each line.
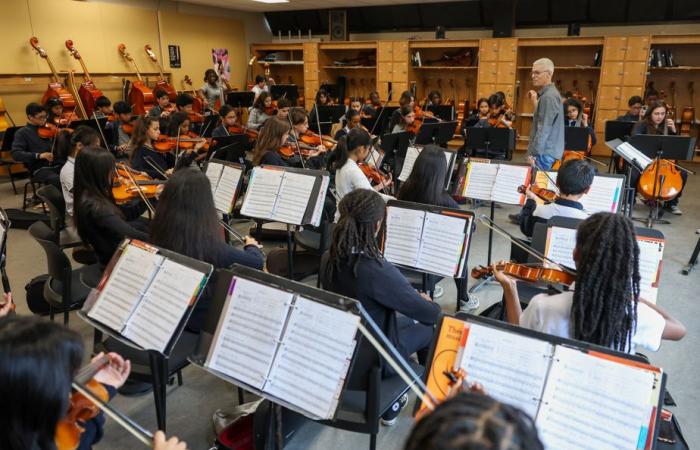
[259,90]
[350,177]
[551,314]
[67,174]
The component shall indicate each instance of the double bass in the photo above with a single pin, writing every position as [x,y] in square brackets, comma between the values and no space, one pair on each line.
[140,96]
[56,88]
[87,92]
[162,82]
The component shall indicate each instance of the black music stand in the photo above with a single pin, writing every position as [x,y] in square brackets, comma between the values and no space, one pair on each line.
[240,99]
[617,129]
[395,146]
[326,116]
[210,123]
[444,112]
[381,123]
[576,138]
[495,143]
[229,148]
[288,91]
[693,258]
[333,90]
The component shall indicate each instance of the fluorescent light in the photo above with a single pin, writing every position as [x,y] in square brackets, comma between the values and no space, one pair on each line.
[271,1]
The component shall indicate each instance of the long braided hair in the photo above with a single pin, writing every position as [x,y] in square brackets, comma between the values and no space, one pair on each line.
[604,309]
[355,233]
[473,421]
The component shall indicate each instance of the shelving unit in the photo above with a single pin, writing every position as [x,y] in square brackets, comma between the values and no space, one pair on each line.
[287,67]
[353,80]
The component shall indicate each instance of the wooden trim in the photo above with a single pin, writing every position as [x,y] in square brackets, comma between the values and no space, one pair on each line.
[560,41]
[677,39]
[444,43]
[281,46]
[348,45]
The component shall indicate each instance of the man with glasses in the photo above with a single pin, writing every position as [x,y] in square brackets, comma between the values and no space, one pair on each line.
[34,151]
[546,143]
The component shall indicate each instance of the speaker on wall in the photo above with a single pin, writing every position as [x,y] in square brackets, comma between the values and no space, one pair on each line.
[338,24]
[440,32]
[574,29]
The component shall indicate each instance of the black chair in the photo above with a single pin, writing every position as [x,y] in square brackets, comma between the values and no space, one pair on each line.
[63,290]
[317,240]
[9,163]
[65,236]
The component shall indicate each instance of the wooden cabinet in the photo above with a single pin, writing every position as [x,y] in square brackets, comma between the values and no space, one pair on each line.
[634,74]
[615,48]
[613,72]
[637,48]
[488,50]
[507,49]
[497,67]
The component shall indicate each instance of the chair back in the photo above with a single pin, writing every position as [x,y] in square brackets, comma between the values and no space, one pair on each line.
[58,263]
[53,198]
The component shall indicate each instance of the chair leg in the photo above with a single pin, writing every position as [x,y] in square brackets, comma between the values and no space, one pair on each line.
[159,376]
[65,318]
[179,377]
[12,178]
[373,441]
[24,199]
[241,399]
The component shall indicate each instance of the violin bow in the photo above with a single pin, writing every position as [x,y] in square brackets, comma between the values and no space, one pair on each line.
[99,128]
[234,233]
[296,138]
[150,207]
[546,174]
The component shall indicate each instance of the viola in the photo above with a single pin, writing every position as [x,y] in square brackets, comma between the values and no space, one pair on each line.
[162,82]
[651,186]
[140,96]
[88,92]
[545,194]
[529,274]
[56,88]
[288,150]
[124,189]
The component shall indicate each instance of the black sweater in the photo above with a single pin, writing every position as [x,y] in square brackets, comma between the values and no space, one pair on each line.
[27,146]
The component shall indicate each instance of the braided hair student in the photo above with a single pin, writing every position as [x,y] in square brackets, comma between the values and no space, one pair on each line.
[354,267]
[603,307]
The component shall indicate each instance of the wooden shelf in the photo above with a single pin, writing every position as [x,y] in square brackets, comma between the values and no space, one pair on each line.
[282,63]
[675,68]
[350,67]
[444,67]
[556,68]
[527,115]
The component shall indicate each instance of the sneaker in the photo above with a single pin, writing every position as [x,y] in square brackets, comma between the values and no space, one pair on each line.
[438,292]
[674,209]
[392,414]
[470,304]
[514,218]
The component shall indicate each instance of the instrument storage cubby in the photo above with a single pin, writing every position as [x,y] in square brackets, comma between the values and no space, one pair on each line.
[282,62]
[351,66]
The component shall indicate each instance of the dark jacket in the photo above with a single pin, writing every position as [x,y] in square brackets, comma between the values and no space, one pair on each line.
[27,146]
[642,127]
[533,213]
[163,160]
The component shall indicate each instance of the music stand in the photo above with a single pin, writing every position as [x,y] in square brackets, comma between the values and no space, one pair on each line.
[576,139]
[444,112]
[209,124]
[289,91]
[240,99]
[326,116]
[499,140]
[333,90]
[229,148]
[617,129]
[383,120]
[426,133]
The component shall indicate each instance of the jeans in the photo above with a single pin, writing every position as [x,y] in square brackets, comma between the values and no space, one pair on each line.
[544,162]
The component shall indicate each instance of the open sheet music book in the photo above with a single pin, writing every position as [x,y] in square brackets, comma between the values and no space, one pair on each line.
[282,194]
[144,294]
[411,156]
[284,345]
[427,238]
[580,396]
[496,182]
[604,196]
[225,179]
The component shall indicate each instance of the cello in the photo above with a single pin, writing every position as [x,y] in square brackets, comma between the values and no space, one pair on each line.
[140,96]
[688,114]
[56,88]
[87,92]
[162,82]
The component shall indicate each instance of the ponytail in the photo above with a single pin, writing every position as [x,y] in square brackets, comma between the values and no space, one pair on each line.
[356,138]
[66,141]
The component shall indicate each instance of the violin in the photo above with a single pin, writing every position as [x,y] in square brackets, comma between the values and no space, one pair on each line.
[127,128]
[56,88]
[162,82]
[167,144]
[88,92]
[48,131]
[272,109]
[545,194]
[195,117]
[664,184]
[140,96]
[237,129]
[313,139]
[374,175]
[529,274]
[124,190]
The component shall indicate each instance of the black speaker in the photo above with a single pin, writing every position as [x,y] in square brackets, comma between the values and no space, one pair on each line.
[504,21]
[338,24]
[574,29]
[440,32]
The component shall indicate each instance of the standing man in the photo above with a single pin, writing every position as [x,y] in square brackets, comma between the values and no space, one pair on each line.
[547,133]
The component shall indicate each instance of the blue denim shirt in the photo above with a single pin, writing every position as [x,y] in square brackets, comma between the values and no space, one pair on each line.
[547,132]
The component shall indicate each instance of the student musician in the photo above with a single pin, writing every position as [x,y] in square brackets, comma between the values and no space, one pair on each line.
[370,109]
[356,268]
[212,91]
[103,107]
[119,137]
[498,117]
[406,100]
[100,222]
[407,116]
[635,109]
[273,135]
[258,114]
[434,99]
[574,180]
[260,86]
[478,117]
[187,223]
[34,151]
[144,156]
[575,117]
[164,108]
[352,120]
[54,108]
[283,107]
[323,98]
[39,360]
[68,145]
[229,118]
[604,307]
[354,105]
[180,126]
[300,126]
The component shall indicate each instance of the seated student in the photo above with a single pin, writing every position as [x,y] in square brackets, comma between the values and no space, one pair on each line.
[283,107]
[179,126]
[299,120]
[68,145]
[229,118]
[352,120]
[575,117]
[574,180]
[355,104]
[604,307]
[258,114]
[33,150]
[635,109]
[260,86]
[406,100]
[322,98]
[100,222]
[274,134]
[103,107]
[184,102]
[54,108]
[434,99]
[369,109]
[144,157]
[120,139]
[164,108]
[186,222]
[407,116]
[38,361]
[357,269]
[498,117]
[474,421]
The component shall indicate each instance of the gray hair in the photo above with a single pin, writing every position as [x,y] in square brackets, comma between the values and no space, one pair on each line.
[546,63]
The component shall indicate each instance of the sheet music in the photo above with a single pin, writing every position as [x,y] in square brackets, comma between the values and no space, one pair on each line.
[213,172]
[403,230]
[547,182]
[262,192]
[226,189]
[593,403]
[408,162]
[480,180]
[651,252]
[294,195]
[505,188]
[246,338]
[560,246]
[128,281]
[630,153]
[158,314]
[442,244]
[604,195]
[320,201]
[512,367]
[313,360]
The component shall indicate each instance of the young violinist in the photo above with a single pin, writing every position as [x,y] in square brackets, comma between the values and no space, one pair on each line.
[574,180]
[603,307]
[283,107]
[164,108]
[406,100]
[184,103]
[213,89]
[103,107]
[120,138]
[370,108]
[38,362]
[260,86]
[575,117]
[68,145]
[144,156]
[497,117]
[434,98]
[407,116]
[323,98]
[34,151]
[180,127]
[229,118]
[355,267]
[274,134]
[353,119]
[354,105]
[258,114]
[54,108]
[635,109]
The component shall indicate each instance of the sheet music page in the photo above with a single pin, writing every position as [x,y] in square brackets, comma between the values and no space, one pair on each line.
[442,244]
[480,180]
[313,360]
[560,246]
[226,190]
[320,201]
[404,228]
[512,367]
[158,314]
[214,173]
[630,153]
[510,177]
[604,195]
[260,199]
[128,281]
[589,399]
[294,197]
[651,253]
[545,182]
[248,332]
[411,156]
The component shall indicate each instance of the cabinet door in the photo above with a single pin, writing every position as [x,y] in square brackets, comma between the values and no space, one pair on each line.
[385,71]
[400,49]
[506,72]
[400,72]
[311,71]
[506,89]
[397,89]
[615,48]
[385,51]
[602,116]
[488,50]
[609,97]
[507,49]
[637,48]
[310,52]
[488,72]
[635,72]
[625,93]
[485,89]
[612,73]
[383,90]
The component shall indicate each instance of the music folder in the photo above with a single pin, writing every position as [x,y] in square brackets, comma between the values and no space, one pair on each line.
[411,156]
[580,396]
[225,179]
[288,342]
[496,182]
[146,295]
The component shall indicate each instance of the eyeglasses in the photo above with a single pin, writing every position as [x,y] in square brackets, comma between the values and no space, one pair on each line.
[539,72]
[41,116]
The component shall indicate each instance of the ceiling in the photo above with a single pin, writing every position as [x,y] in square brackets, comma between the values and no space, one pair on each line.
[250,5]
